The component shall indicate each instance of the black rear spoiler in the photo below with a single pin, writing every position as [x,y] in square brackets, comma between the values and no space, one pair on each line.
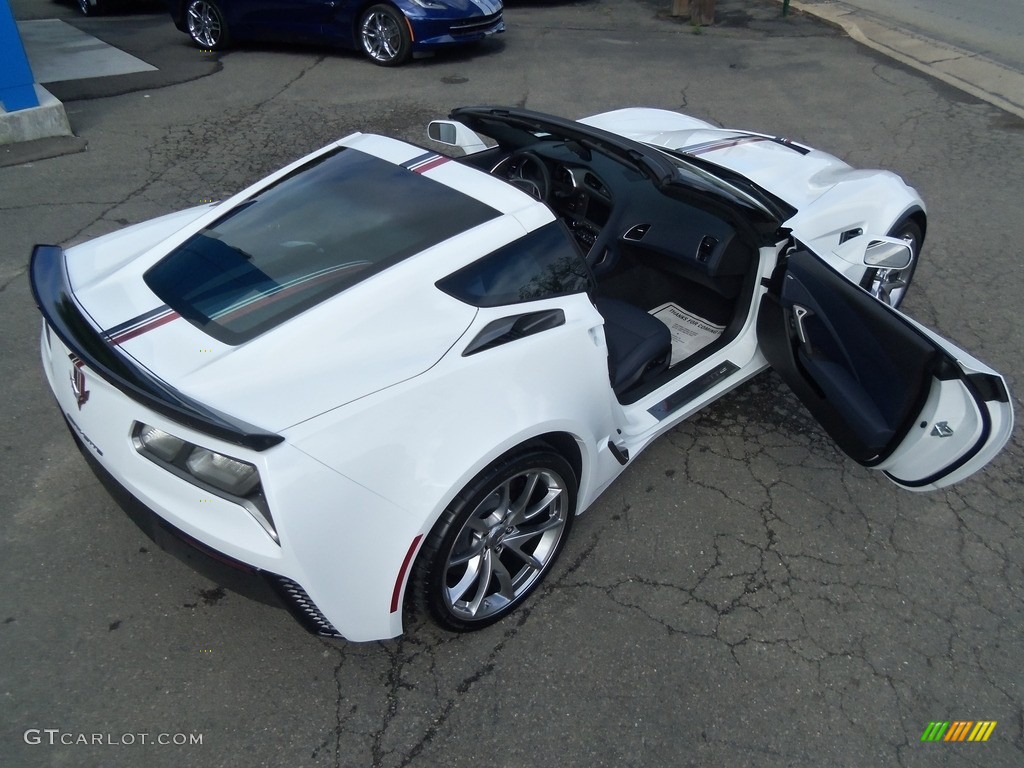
[52,292]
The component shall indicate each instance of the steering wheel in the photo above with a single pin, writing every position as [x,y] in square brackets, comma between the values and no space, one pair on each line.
[525,170]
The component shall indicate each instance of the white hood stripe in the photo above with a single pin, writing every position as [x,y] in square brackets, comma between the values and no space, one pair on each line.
[425,162]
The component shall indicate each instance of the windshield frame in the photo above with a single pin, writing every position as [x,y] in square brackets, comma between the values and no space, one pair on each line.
[725,181]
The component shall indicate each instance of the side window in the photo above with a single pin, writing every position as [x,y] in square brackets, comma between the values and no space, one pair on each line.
[543,264]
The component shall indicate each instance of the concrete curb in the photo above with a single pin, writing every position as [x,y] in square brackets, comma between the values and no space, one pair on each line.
[32,151]
[47,120]
[982,78]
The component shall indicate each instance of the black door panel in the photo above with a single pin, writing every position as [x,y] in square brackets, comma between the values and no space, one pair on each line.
[860,369]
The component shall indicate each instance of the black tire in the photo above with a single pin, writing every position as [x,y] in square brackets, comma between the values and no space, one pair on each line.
[207,25]
[496,541]
[384,36]
[891,285]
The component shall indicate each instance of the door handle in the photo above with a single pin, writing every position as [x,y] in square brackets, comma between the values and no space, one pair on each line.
[799,313]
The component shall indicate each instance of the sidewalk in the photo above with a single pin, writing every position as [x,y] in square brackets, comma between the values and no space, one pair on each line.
[59,52]
[987,80]
[80,59]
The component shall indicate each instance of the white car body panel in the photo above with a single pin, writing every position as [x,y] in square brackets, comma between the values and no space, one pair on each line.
[310,552]
[384,420]
[430,438]
[388,329]
[102,257]
[831,196]
[950,404]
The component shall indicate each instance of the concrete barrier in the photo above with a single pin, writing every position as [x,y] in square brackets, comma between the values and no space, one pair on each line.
[27,110]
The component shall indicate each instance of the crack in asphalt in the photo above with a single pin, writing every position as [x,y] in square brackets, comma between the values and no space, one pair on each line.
[488,665]
[16,276]
[396,660]
[177,161]
[748,574]
[764,485]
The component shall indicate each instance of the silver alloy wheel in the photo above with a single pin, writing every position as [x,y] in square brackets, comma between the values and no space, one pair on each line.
[205,24]
[888,286]
[506,544]
[382,37]
[86,8]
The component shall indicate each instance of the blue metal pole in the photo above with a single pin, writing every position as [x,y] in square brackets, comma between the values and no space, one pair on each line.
[17,89]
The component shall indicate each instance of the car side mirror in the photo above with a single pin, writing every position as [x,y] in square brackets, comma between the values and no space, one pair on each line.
[876,251]
[455,134]
[888,254]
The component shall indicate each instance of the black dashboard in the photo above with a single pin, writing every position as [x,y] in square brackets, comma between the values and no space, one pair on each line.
[583,201]
[591,191]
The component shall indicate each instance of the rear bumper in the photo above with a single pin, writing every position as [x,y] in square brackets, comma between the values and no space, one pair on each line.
[242,578]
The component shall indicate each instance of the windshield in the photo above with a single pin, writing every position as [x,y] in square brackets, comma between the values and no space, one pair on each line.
[701,173]
[327,226]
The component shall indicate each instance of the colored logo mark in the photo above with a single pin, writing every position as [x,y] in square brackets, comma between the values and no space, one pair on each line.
[959,730]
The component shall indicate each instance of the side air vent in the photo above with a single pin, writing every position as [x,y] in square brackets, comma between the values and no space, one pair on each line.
[850,234]
[507,329]
[706,249]
[636,233]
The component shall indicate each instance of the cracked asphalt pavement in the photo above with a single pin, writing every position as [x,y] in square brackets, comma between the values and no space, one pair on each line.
[743,596]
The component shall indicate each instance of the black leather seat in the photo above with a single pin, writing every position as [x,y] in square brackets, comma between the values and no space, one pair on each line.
[639,345]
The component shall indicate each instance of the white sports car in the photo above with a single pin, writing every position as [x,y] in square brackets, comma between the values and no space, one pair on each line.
[383,377]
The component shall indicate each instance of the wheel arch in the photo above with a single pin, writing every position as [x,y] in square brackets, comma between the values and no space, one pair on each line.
[873,203]
[566,446]
[564,443]
[407,608]
[359,10]
[916,214]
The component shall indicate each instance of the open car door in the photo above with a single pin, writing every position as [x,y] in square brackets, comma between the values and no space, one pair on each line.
[893,395]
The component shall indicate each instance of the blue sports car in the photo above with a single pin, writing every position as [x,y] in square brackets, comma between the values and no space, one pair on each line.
[388,32]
